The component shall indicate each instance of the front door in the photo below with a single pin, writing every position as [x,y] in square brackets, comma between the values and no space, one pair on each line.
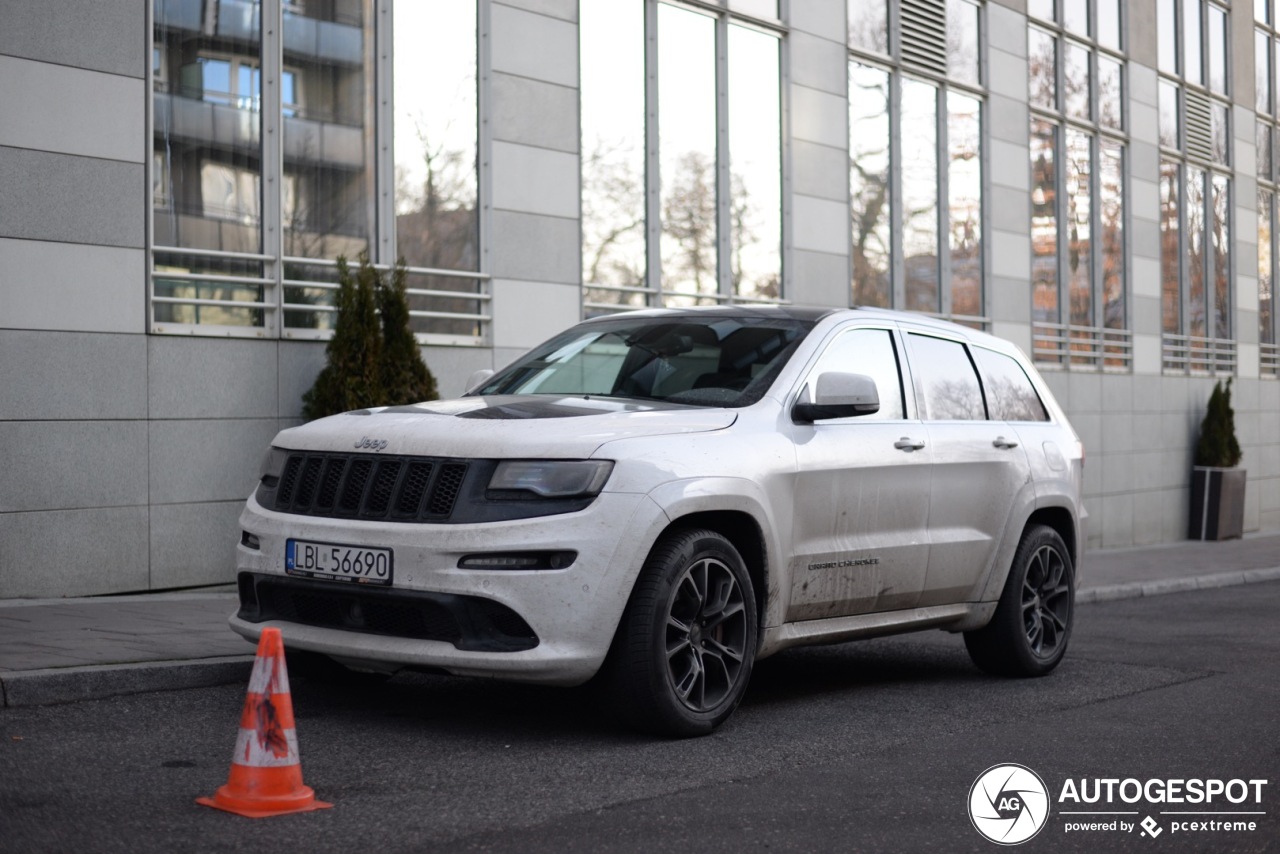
[862,493]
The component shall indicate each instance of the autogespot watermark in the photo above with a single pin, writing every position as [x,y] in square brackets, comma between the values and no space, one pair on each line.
[1010,803]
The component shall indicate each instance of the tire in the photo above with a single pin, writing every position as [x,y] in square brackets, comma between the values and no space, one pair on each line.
[1029,632]
[683,653]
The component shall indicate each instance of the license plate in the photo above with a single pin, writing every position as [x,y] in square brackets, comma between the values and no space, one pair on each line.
[335,560]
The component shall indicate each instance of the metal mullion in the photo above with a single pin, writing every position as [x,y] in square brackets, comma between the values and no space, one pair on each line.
[786,256]
[272,142]
[384,132]
[897,264]
[724,190]
[1062,209]
[653,193]
[149,160]
[1097,305]
[943,153]
[484,137]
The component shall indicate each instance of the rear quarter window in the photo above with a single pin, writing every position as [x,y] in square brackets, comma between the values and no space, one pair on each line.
[1010,394]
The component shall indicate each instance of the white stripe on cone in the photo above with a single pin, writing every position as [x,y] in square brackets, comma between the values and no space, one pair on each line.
[250,752]
[261,679]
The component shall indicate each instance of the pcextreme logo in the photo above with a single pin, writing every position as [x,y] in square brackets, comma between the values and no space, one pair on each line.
[1008,804]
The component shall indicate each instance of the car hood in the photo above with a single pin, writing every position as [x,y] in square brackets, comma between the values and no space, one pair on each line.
[524,426]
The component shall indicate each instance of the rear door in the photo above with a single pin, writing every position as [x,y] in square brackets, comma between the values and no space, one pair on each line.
[979,467]
[862,491]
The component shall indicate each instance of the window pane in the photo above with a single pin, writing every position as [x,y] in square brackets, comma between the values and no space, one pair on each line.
[868,25]
[1168,114]
[1075,80]
[869,352]
[869,183]
[755,163]
[207,161]
[328,105]
[945,379]
[920,194]
[1010,394]
[1263,141]
[1218,131]
[964,139]
[962,41]
[687,123]
[1170,252]
[1192,67]
[1217,50]
[1196,321]
[1110,94]
[1266,328]
[1079,227]
[1260,10]
[1075,16]
[1261,72]
[1042,9]
[613,197]
[1044,222]
[1167,27]
[1042,49]
[1111,222]
[1221,235]
[1109,23]
[437,219]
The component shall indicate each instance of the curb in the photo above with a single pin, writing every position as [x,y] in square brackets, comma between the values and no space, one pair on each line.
[72,684]
[1137,589]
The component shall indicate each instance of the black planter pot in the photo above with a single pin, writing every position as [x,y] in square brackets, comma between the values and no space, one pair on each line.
[1217,503]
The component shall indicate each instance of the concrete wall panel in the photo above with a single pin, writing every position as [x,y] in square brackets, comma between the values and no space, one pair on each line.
[72,111]
[73,552]
[820,171]
[527,313]
[71,199]
[212,378]
[105,35]
[535,248]
[819,63]
[54,465]
[534,112]
[71,286]
[194,544]
[215,460]
[819,117]
[535,180]
[48,376]
[534,45]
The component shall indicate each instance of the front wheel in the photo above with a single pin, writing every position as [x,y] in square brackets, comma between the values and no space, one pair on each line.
[1029,633]
[684,650]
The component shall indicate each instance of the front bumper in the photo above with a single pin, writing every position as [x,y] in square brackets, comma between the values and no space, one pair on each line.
[571,614]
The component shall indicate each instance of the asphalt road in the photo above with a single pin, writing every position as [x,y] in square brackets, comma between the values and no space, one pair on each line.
[869,746]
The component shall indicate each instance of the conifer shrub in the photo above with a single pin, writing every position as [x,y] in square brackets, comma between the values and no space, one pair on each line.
[372,358]
[1218,447]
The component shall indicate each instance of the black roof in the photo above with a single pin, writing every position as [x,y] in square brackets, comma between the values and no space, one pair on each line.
[808,314]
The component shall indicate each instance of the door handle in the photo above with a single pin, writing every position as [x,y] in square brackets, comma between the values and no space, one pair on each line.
[908,444]
[1004,444]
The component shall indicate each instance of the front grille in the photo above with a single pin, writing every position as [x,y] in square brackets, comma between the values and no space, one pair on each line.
[468,622]
[400,489]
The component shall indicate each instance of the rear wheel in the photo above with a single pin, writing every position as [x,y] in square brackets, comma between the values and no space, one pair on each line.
[685,647]
[1029,633]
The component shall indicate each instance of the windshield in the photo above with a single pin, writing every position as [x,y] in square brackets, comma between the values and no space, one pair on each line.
[713,361]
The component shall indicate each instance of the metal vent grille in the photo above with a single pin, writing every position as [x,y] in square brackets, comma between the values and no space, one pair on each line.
[924,35]
[402,489]
[1199,125]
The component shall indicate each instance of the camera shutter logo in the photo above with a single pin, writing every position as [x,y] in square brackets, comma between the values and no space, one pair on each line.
[1008,804]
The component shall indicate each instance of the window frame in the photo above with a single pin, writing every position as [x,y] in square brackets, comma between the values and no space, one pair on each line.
[944,83]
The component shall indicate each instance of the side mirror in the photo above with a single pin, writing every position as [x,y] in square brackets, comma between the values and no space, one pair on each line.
[477,379]
[839,395]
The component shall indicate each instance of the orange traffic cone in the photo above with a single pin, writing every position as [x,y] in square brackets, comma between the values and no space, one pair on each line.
[266,776]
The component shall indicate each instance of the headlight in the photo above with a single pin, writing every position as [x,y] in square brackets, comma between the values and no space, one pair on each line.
[552,478]
[272,465]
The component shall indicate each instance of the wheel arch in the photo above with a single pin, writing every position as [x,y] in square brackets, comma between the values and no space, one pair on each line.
[1061,520]
[744,532]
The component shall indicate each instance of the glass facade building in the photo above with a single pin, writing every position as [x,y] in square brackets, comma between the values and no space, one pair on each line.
[1097,183]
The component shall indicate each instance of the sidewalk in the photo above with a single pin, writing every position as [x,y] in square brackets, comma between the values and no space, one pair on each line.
[62,650]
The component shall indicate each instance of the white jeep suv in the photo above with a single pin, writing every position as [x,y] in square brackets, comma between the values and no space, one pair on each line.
[661,498]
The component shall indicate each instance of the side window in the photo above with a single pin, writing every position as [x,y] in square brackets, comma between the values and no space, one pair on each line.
[945,380]
[1010,393]
[870,352]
